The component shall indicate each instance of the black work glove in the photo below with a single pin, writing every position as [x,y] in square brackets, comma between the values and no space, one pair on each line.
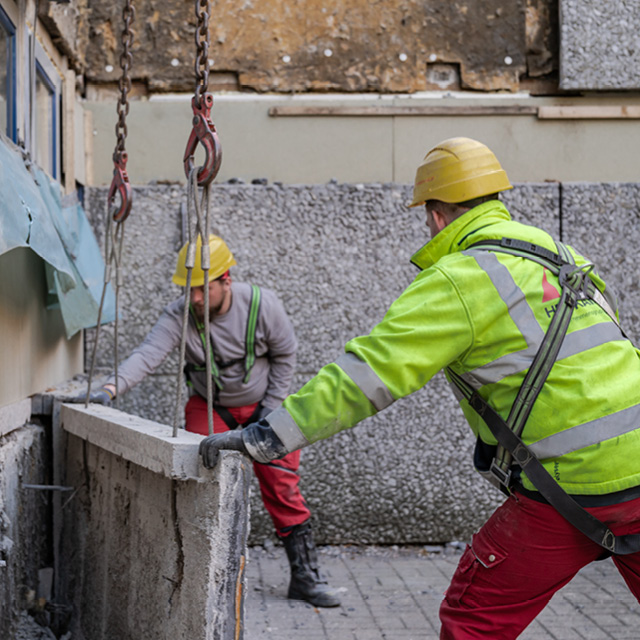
[211,446]
[101,396]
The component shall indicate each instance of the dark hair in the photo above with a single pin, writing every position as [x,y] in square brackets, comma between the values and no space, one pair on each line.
[476,201]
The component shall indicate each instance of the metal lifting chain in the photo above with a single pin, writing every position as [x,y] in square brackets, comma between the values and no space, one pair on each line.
[198,223]
[202,50]
[117,213]
[204,131]
[120,181]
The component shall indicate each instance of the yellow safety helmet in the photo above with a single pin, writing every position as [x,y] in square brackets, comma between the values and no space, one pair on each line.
[457,170]
[220,261]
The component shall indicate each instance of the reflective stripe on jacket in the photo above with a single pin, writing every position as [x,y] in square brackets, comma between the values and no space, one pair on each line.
[484,314]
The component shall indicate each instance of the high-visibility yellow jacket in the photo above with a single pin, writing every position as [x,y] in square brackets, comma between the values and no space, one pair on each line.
[484,314]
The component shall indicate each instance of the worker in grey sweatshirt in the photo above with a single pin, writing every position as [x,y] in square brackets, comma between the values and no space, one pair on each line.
[253,354]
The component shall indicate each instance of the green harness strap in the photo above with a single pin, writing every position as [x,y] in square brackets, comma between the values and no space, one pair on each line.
[250,343]
[250,339]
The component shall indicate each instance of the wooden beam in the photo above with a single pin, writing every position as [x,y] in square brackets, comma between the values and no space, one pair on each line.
[588,112]
[385,111]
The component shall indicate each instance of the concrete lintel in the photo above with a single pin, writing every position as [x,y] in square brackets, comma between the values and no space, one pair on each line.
[13,416]
[144,442]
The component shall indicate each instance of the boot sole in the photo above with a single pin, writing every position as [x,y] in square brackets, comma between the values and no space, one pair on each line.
[316,602]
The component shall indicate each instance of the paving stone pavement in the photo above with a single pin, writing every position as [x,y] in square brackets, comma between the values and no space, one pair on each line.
[393,593]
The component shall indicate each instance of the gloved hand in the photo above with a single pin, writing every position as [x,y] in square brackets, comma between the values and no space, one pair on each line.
[211,446]
[103,396]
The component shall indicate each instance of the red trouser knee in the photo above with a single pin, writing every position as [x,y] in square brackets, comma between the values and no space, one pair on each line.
[278,480]
[523,554]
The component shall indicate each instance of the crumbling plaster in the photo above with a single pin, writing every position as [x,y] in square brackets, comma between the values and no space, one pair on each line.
[307,45]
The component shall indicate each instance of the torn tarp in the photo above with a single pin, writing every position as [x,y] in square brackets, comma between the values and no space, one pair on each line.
[33,215]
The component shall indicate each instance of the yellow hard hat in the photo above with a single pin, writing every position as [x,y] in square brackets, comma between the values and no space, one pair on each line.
[220,261]
[457,170]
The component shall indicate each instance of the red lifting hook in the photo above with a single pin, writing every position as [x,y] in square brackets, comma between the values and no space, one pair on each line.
[204,131]
[121,184]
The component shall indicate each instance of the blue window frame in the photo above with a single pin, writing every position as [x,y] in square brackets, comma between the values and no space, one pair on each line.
[7,76]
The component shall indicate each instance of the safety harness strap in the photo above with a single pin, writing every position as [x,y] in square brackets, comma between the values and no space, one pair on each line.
[574,282]
[231,422]
[250,344]
[250,340]
[555,495]
[215,372]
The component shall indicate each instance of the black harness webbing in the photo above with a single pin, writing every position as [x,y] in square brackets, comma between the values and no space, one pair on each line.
[231,422]
[575,285]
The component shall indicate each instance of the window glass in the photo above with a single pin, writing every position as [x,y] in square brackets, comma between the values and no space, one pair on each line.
[45,121]
[7,93]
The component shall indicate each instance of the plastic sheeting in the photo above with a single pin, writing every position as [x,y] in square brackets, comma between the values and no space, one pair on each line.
[34,215]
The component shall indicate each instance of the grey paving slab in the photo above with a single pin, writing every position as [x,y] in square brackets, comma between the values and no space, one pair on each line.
[395,593]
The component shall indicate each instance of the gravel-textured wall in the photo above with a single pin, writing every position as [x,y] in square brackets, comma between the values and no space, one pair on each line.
[599,44]
[338,255]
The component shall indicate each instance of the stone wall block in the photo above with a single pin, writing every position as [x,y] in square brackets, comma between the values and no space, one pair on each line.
[602,221]
[599,44]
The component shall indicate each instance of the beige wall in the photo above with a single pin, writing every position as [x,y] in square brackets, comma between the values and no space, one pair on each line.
[34,352]
[379,148]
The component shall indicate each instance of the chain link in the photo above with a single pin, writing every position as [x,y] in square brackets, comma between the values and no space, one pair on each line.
[126,61]
[202,50]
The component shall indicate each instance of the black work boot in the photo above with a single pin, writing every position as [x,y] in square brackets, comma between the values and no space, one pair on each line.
[306,581]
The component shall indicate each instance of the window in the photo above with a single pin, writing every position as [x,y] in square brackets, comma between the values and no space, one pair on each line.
[46,99]
[45,125]
[7,76]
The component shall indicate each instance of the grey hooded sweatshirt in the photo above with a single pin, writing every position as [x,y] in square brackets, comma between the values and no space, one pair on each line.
[275,349]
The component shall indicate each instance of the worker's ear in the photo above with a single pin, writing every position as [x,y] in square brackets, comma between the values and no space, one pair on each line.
[439,219]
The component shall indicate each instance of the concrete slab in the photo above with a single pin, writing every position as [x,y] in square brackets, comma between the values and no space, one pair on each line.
[14,415]
[147,444]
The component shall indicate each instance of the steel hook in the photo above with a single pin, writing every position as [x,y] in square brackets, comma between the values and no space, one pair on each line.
[203,132]
[121,184]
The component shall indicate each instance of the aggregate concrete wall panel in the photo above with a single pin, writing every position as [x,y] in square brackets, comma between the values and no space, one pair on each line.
[338,255]
[148,555]
[152,239]
[604,222]
[599,44]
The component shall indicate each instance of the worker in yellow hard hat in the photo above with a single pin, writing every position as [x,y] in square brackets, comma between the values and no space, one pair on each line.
[253,355]
[528,335]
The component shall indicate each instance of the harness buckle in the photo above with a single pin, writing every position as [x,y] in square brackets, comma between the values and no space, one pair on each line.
[497,473]
[575,279]
[609,541]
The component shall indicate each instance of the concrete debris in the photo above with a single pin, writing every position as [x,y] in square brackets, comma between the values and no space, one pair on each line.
[29,629]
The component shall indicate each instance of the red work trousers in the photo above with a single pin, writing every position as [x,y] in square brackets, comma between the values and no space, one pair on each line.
[278,480]
[524,553]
